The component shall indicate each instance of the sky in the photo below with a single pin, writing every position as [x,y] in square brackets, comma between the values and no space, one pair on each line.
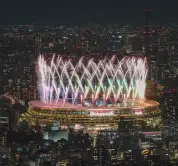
[81,12]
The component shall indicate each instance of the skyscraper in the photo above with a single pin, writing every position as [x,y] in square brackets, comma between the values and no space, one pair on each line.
[169,107]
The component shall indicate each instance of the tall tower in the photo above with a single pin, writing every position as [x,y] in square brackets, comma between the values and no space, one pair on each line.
[147,32]
[147,37]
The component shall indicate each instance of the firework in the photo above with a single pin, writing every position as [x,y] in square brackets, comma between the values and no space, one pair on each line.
[108,79]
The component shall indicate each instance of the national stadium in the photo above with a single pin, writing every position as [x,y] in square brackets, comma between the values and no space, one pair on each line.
[92,94]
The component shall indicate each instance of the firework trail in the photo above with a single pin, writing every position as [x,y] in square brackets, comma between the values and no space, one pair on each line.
[107,79]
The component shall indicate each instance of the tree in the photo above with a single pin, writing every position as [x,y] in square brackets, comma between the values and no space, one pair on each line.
[19,107]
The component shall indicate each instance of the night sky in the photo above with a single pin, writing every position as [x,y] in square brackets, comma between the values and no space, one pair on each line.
[81,12]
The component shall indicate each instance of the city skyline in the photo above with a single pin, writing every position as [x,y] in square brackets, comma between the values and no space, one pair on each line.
[45,12]
[88,83]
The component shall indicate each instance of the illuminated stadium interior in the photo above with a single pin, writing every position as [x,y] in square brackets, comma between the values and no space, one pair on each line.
[91,93]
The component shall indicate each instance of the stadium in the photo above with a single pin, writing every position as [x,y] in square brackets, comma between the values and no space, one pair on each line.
[92,94]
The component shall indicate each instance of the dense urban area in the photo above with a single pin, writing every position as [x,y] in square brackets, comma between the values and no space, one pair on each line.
[148,136]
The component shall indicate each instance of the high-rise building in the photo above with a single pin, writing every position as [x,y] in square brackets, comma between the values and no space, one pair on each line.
[169,108]
[3,138]
[173,51]
[4,116]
